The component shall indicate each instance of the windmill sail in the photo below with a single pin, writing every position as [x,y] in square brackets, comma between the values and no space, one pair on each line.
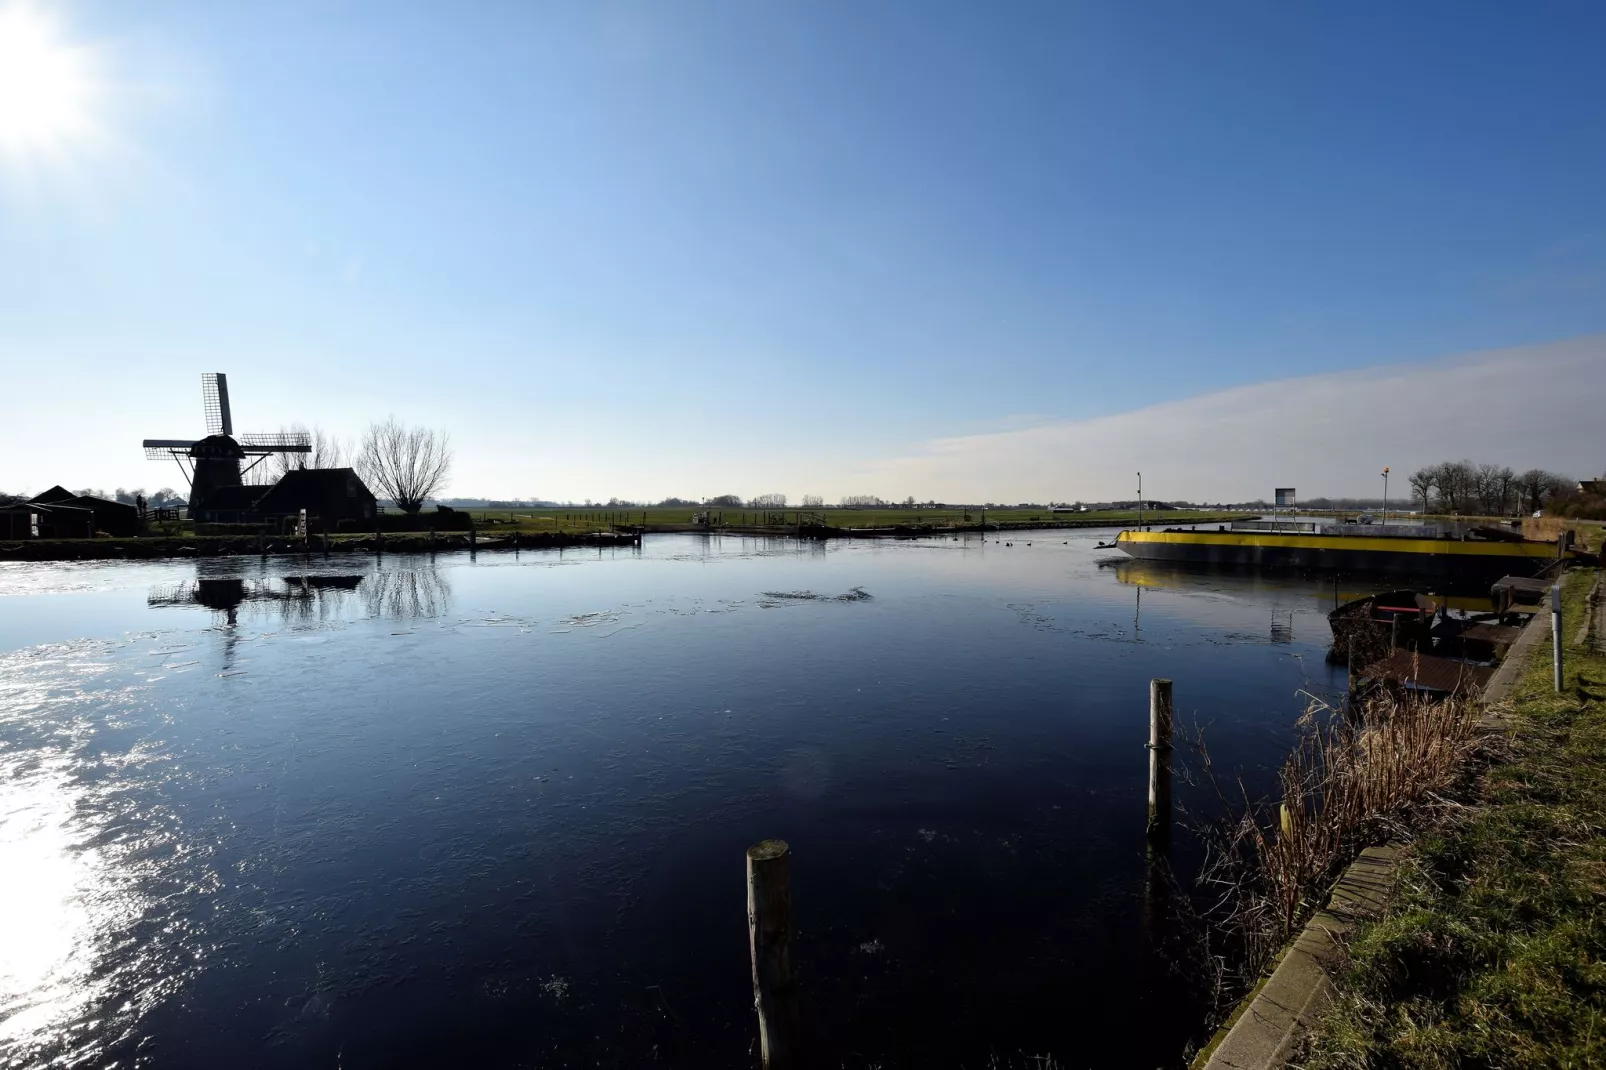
[215,400]
[276,442]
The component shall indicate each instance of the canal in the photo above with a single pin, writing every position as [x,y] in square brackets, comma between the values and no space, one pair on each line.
[493,810]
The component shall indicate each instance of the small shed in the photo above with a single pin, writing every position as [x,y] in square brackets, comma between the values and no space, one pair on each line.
[37,520]
[114,518]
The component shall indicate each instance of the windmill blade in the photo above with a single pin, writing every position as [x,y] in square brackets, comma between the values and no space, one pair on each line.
[276,442]
[160,449]
[215,401]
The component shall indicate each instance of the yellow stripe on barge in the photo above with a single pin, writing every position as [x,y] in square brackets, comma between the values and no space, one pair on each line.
[1448,558]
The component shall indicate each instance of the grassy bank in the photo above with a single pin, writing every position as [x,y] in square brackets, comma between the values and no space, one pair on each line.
[1493,953]
[601,517]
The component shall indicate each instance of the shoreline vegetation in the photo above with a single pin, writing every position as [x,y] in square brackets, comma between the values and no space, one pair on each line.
[504,529]
[1493,950]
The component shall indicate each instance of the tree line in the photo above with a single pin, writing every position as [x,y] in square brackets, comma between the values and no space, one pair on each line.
[1485,489]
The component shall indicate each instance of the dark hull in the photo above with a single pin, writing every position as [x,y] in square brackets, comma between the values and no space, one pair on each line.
[1462,567]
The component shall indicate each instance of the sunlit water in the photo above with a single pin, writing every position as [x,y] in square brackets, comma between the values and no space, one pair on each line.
[493,811]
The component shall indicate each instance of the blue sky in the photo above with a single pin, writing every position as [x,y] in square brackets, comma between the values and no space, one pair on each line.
[691,248]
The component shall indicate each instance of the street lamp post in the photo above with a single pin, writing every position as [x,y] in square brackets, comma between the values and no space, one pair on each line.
[1385,495]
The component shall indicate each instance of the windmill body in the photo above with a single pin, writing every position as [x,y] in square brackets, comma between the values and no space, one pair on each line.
[219,459]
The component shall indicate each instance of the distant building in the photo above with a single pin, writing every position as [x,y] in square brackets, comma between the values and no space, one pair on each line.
[1595,487]
[58,513]
[38,520]
[112,518]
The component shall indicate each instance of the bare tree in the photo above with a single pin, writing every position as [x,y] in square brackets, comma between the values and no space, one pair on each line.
[262,473]
[405,464]
[768,501]
[1486,478]
[1423,482]
[1505,486]
[328,451]
[1536,484]
[862,501]
[813,501]
[1458,485]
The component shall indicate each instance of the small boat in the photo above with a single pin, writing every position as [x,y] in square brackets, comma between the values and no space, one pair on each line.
[1368,628]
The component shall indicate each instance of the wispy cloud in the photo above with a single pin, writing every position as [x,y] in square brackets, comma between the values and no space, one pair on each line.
[1541,405]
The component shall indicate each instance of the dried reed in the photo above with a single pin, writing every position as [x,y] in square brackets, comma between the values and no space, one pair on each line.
[1352,780]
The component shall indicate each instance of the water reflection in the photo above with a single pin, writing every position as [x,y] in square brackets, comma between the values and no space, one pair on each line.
[407,594]
[399,594]
[80,867]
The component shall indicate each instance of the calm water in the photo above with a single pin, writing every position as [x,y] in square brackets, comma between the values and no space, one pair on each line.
[428,812]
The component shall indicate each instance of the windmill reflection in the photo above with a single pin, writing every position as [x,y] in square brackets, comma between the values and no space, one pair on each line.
[401,594]
[293,598]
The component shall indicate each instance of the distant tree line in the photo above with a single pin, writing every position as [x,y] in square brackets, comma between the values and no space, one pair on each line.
[1486,489]
[166,498]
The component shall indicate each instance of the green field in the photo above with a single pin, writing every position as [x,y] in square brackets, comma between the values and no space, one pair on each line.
[602,518]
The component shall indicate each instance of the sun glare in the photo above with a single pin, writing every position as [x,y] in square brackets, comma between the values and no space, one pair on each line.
[47,85]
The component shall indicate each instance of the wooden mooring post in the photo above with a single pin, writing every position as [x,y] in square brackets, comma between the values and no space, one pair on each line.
[1160,760]
[769,938]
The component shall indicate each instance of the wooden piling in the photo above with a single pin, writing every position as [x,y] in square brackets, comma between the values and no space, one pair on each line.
[769,936]
[1159,760]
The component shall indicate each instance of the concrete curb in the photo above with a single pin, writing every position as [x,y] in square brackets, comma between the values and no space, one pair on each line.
[1266,1028]
[1589,631]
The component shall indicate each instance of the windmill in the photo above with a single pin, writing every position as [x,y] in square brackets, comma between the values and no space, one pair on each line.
[214,461]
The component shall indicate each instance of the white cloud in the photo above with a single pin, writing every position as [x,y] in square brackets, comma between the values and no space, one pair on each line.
[1540,405]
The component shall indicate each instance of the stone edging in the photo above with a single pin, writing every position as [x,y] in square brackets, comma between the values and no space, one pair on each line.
[1265,1029]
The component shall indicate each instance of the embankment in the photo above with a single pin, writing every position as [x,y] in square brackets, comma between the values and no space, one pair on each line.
[250,546]
[918,531]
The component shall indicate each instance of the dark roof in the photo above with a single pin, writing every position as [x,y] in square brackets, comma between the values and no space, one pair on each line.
[47,507]
[89,501]
[238,498]
[58,493]
[302,485]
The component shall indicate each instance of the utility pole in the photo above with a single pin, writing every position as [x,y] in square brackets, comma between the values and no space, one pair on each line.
[1140,501]
[1385,495]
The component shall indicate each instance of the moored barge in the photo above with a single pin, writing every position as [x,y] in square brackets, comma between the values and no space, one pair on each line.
[1419,550]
